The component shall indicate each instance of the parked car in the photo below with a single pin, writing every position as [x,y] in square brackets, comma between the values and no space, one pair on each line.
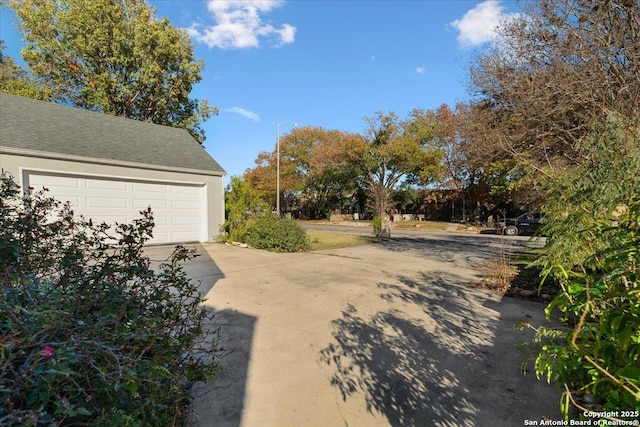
[527,223]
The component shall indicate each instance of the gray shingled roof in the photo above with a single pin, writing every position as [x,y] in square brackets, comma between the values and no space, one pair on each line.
[34,127]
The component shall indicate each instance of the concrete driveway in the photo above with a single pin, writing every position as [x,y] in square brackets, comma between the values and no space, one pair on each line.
[376,335]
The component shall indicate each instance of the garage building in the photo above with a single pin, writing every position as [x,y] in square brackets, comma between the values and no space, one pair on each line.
[110,168]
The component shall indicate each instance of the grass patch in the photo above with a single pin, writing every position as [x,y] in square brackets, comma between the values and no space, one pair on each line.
[322,240]
[420,225]
[525,257]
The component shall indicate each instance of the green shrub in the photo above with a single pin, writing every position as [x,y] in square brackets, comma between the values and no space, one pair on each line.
[277,234]
[243,204]
[238,231]
[90,334]
[593,251]
[377,226]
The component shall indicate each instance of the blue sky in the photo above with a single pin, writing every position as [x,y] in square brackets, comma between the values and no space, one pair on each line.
[327,63]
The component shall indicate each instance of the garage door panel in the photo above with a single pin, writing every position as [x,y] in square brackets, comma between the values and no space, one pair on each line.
[107,203]
[53,181]
[94,184]
[160,236]
[181,195]
[140,187]
[185,222]
[186,205]
[160,220]
[177,208]
[186,190]
[109,219]
[75,201]
[156,204]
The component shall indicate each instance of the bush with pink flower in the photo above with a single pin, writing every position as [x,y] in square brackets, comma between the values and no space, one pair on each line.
[92,332]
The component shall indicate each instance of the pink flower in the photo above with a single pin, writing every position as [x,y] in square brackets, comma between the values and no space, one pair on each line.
[47,352]
[146,265]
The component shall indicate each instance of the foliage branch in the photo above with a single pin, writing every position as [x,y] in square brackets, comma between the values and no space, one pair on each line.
[16,81]
[243,204]
[593,252]
[114,57]
[398,149]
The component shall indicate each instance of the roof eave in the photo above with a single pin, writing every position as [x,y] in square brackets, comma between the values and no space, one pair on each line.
[110,162]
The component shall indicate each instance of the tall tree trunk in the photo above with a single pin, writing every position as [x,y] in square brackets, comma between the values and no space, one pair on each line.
[380,199]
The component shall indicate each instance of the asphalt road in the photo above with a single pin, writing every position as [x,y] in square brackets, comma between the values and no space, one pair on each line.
[514,242]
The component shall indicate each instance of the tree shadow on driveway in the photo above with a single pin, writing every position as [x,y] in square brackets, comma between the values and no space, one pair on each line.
[432,358]
[464,250]
[386,357]
[219,403]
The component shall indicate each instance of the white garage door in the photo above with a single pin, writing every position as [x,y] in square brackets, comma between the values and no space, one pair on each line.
[177,208]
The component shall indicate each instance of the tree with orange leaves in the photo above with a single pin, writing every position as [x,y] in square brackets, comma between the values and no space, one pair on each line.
[316,164]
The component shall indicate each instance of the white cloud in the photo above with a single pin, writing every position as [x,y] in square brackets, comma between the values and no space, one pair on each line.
[246,113]
[287,34]
[421,70]
[238,25]
[478,25]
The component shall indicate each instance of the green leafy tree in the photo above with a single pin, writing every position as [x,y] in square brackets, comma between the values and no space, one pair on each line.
[398,149]
[405,197]
[14,80]
[593,251]
[243,204]
[115,57]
